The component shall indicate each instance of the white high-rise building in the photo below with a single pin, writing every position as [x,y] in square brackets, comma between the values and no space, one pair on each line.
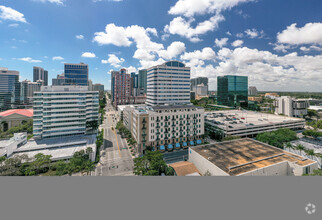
[291,107]
[65,111]
[168,83]
[252,91]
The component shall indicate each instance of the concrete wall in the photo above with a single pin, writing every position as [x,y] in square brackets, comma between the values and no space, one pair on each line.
[279,169]
[203,165]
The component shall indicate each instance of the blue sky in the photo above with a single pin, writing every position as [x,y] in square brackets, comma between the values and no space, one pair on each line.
[277,44]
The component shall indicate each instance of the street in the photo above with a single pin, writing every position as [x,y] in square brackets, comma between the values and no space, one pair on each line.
[115,159]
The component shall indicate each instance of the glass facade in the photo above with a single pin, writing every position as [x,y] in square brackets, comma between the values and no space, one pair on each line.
[76,74]
[9,89]
[232,90]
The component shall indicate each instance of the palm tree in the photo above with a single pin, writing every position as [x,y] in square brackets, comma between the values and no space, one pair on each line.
[288,145]
[310,152]
[301,148]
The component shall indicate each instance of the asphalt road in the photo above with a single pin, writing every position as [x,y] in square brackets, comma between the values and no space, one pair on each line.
[116,159]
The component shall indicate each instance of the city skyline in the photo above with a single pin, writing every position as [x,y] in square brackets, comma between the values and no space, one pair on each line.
[280,53]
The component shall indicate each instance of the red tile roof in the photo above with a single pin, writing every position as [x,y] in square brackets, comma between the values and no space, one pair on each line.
[25,112]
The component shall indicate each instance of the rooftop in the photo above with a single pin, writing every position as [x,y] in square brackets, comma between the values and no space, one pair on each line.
[165,107]
[25,112]
[244,155]
[239,119]
[185,168]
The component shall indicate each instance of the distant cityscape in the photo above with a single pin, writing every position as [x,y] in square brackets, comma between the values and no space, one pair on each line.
[159,110]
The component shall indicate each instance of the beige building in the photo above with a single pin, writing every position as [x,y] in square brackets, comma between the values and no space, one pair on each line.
[291,107]
[247,157]
[14,117]
[165,128]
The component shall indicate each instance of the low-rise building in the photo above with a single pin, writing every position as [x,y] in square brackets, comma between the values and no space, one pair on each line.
[185,168]
[166,128]
[248,157]
[248,123]
[289,106]
[271,95]
[255,99]
[14,117]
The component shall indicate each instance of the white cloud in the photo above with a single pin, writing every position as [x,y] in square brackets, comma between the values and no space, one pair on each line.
[228,33]
[79,37]
[190,8]
[183,27]
[113,60]
[7,13]
[58,2]
[222,42]
[13,25]
[281,47]
[266,70]
[198,57]
[253,33]
[310,33]
[58,58]
[311,48]
[240,35]
[237,43]
[88,55]
[175,49]
[29,60]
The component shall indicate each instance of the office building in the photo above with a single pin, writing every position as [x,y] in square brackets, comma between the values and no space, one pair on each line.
[90,85]
[198,81]
[76,74]
[59,81]
[252,91]
[40,74]
[142,82]
[27,89]
[291,107]
[14,117]
[247,157]
[100,88]
[121,87]
[9,89]
[168,83]
[165,128]
[135,79]
[200,91]
[247,123]
[232,90]
[64,111]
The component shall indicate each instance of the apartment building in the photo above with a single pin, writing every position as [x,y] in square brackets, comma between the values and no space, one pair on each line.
[121,87]
[165,128]
[40,74]
[168,83]
[291,107]
[27,89]
[64,111]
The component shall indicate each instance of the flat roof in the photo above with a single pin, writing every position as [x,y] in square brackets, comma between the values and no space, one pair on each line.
[165,107]
[243,155]
[185,168]
[240,119]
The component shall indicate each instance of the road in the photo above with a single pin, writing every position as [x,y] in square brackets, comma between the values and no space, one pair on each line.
[116,159]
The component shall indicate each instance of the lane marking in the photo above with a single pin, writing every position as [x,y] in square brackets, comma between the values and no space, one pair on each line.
[117,143]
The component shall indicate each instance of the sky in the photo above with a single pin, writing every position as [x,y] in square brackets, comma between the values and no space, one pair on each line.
[277,44]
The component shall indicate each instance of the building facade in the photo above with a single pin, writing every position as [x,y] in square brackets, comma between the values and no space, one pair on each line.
[40,74]
[100,88]
[121,87]
[165,128]
[232,90]
[59,81]
[64,111]
[9,89]
[252,91]
[168,83]
[27,89]
[198,81]
[142,81]
[76,74]
[291,107]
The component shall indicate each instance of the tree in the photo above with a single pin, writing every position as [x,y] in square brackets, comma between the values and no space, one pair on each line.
[289,145]
[310,153]
[300,148]
[277,138]
[40,163]
[315,173]
[151,164]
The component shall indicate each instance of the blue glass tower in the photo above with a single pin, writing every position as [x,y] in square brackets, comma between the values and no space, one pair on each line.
[76,74]
[9,89]
[232,90]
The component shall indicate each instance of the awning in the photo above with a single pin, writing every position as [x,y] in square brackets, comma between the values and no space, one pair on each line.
[199,142]
[170,146]
[192,143]
[184,144]
[177,145]
[162,147]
